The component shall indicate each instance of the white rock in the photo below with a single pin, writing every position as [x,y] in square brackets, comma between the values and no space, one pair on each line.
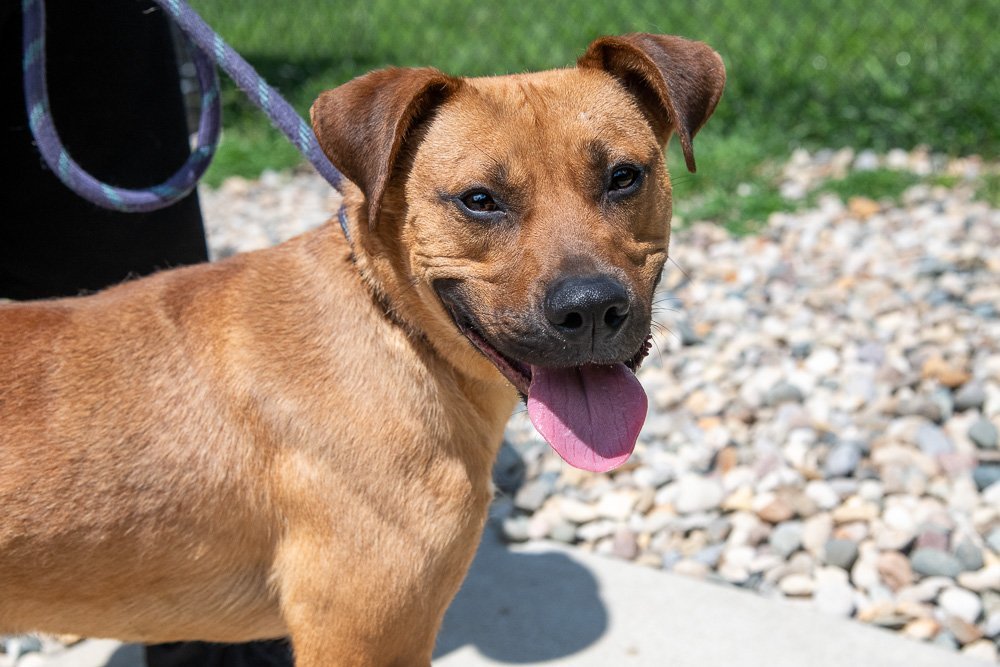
[596,530]
[982,649]
[797,585]
[822,494]
[835,598]
[961,603]
[985,579]
[698,494]
[816,530]
[617,504]
[823,361]
[576,511]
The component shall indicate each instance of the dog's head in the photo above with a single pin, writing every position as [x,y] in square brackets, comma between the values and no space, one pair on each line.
[521,222]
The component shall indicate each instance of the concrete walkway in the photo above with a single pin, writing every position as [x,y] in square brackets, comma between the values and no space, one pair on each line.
[551,605]
[557,606]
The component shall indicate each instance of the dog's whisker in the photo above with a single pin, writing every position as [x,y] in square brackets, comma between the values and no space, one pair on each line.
[680,268]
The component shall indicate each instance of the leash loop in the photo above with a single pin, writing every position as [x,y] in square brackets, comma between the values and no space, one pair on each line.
[211,50]
[70,172]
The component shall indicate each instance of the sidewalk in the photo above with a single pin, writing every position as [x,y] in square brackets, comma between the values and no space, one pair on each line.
[557,606]
[551,605]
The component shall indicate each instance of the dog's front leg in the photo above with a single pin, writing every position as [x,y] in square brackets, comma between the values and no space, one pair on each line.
[345,609]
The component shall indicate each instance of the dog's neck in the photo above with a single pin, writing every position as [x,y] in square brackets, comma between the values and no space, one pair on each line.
[383,275]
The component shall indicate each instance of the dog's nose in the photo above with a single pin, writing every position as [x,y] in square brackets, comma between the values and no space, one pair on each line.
[581,307]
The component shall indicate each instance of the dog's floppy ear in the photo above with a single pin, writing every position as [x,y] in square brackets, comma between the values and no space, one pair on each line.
[362,124]
[678,81]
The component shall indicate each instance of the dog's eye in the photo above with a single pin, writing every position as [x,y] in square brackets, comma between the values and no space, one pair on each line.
[479,201]
[623,178]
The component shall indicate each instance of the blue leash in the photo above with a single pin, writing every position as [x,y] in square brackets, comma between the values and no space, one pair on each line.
[208,43]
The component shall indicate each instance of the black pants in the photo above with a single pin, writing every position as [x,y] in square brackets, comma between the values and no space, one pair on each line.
[117,105]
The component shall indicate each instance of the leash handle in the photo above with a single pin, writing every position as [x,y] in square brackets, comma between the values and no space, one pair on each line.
[282,115]
[69,171]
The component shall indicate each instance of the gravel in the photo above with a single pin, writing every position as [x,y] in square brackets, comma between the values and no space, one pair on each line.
[825,395]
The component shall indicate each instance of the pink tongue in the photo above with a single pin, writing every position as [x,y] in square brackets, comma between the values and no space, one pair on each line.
[591,415]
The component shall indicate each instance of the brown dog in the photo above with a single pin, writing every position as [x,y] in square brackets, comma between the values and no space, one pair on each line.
[298,441]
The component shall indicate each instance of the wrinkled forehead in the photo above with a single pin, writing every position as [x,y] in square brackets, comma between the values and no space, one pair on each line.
[542,118]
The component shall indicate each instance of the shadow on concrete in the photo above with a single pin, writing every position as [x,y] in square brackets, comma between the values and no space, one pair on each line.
[129,655]
[523,607]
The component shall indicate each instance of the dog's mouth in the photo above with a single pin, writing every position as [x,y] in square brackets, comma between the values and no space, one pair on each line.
[590,414]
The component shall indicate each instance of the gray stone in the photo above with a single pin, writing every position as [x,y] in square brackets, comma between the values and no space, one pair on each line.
[993,539]
[919,406]
[786,538]
[945,640]
[718,529]
[17,645]
[563,531]
[840,553]
[970,396]
[934,563]
[508,469]
[969,555]
[871,352]
[933,441]
[984,434]
[710,555]
[985,475]
[938,297]
[843,459]
[801,349]
[671,558]
[783,392]
[501,508]
[932,267]
[687,334]
[532,495]
[943,401]
[987,311]
[515,528]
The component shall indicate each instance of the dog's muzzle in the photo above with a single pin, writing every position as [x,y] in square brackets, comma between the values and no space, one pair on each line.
[590,412]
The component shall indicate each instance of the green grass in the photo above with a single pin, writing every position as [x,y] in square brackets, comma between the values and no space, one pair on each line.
[989,189]
[876,184]
[854,73]
[735,184]
[945,180]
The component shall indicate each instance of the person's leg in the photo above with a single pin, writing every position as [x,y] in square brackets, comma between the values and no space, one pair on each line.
[275,653]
